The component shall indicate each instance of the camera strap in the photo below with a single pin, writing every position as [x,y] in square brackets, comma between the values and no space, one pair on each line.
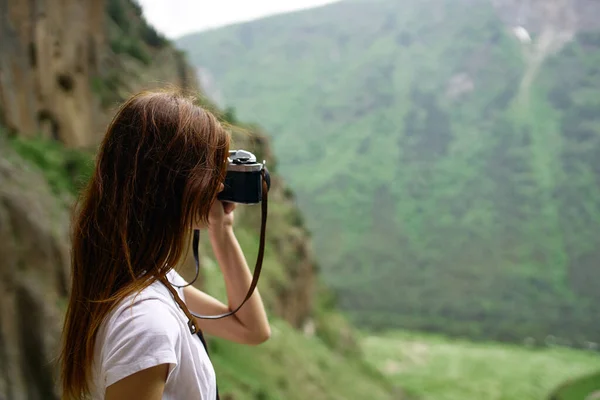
[257,269]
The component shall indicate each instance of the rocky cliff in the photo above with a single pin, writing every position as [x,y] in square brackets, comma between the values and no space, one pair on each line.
[63,66]
[33,279]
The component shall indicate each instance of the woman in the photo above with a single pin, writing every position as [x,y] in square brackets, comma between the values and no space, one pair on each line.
[126,335]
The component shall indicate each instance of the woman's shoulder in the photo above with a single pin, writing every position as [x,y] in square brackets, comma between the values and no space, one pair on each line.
[153,308]
[148,314]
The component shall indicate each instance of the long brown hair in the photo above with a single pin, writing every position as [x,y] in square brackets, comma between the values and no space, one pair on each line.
[157,174]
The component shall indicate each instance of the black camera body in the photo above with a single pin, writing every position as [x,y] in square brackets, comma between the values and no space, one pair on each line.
[244,179]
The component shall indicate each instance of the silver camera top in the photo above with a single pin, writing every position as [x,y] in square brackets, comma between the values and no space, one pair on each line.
[241,157]
[243,161]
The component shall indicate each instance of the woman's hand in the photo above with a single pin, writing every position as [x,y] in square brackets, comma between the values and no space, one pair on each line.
[220,216]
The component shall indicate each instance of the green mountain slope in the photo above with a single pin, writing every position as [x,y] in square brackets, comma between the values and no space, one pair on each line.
[447,170]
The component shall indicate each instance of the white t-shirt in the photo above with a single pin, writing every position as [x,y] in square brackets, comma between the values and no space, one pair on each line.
[149,330]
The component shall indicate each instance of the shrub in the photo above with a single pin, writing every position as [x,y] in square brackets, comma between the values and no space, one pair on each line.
[128,45]
[66,170]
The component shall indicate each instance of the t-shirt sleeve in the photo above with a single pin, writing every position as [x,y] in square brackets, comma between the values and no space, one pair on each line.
[142,336]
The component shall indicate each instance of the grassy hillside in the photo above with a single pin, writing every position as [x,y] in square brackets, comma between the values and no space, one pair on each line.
[291,366]
[448,172]
[436,368]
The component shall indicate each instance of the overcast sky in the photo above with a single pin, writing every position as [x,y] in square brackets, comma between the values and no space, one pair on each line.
[178,17]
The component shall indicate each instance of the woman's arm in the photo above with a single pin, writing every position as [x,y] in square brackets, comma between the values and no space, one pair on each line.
[250,324]
[148,384]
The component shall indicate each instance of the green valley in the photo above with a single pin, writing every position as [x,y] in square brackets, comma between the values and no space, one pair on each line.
[434,367]
[447,170]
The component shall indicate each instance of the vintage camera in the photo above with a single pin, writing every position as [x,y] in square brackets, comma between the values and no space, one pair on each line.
[243,183]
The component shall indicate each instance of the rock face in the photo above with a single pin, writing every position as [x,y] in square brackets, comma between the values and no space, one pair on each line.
[561,15]
[48,52]
[33,280]
[63,66]
[58,59]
